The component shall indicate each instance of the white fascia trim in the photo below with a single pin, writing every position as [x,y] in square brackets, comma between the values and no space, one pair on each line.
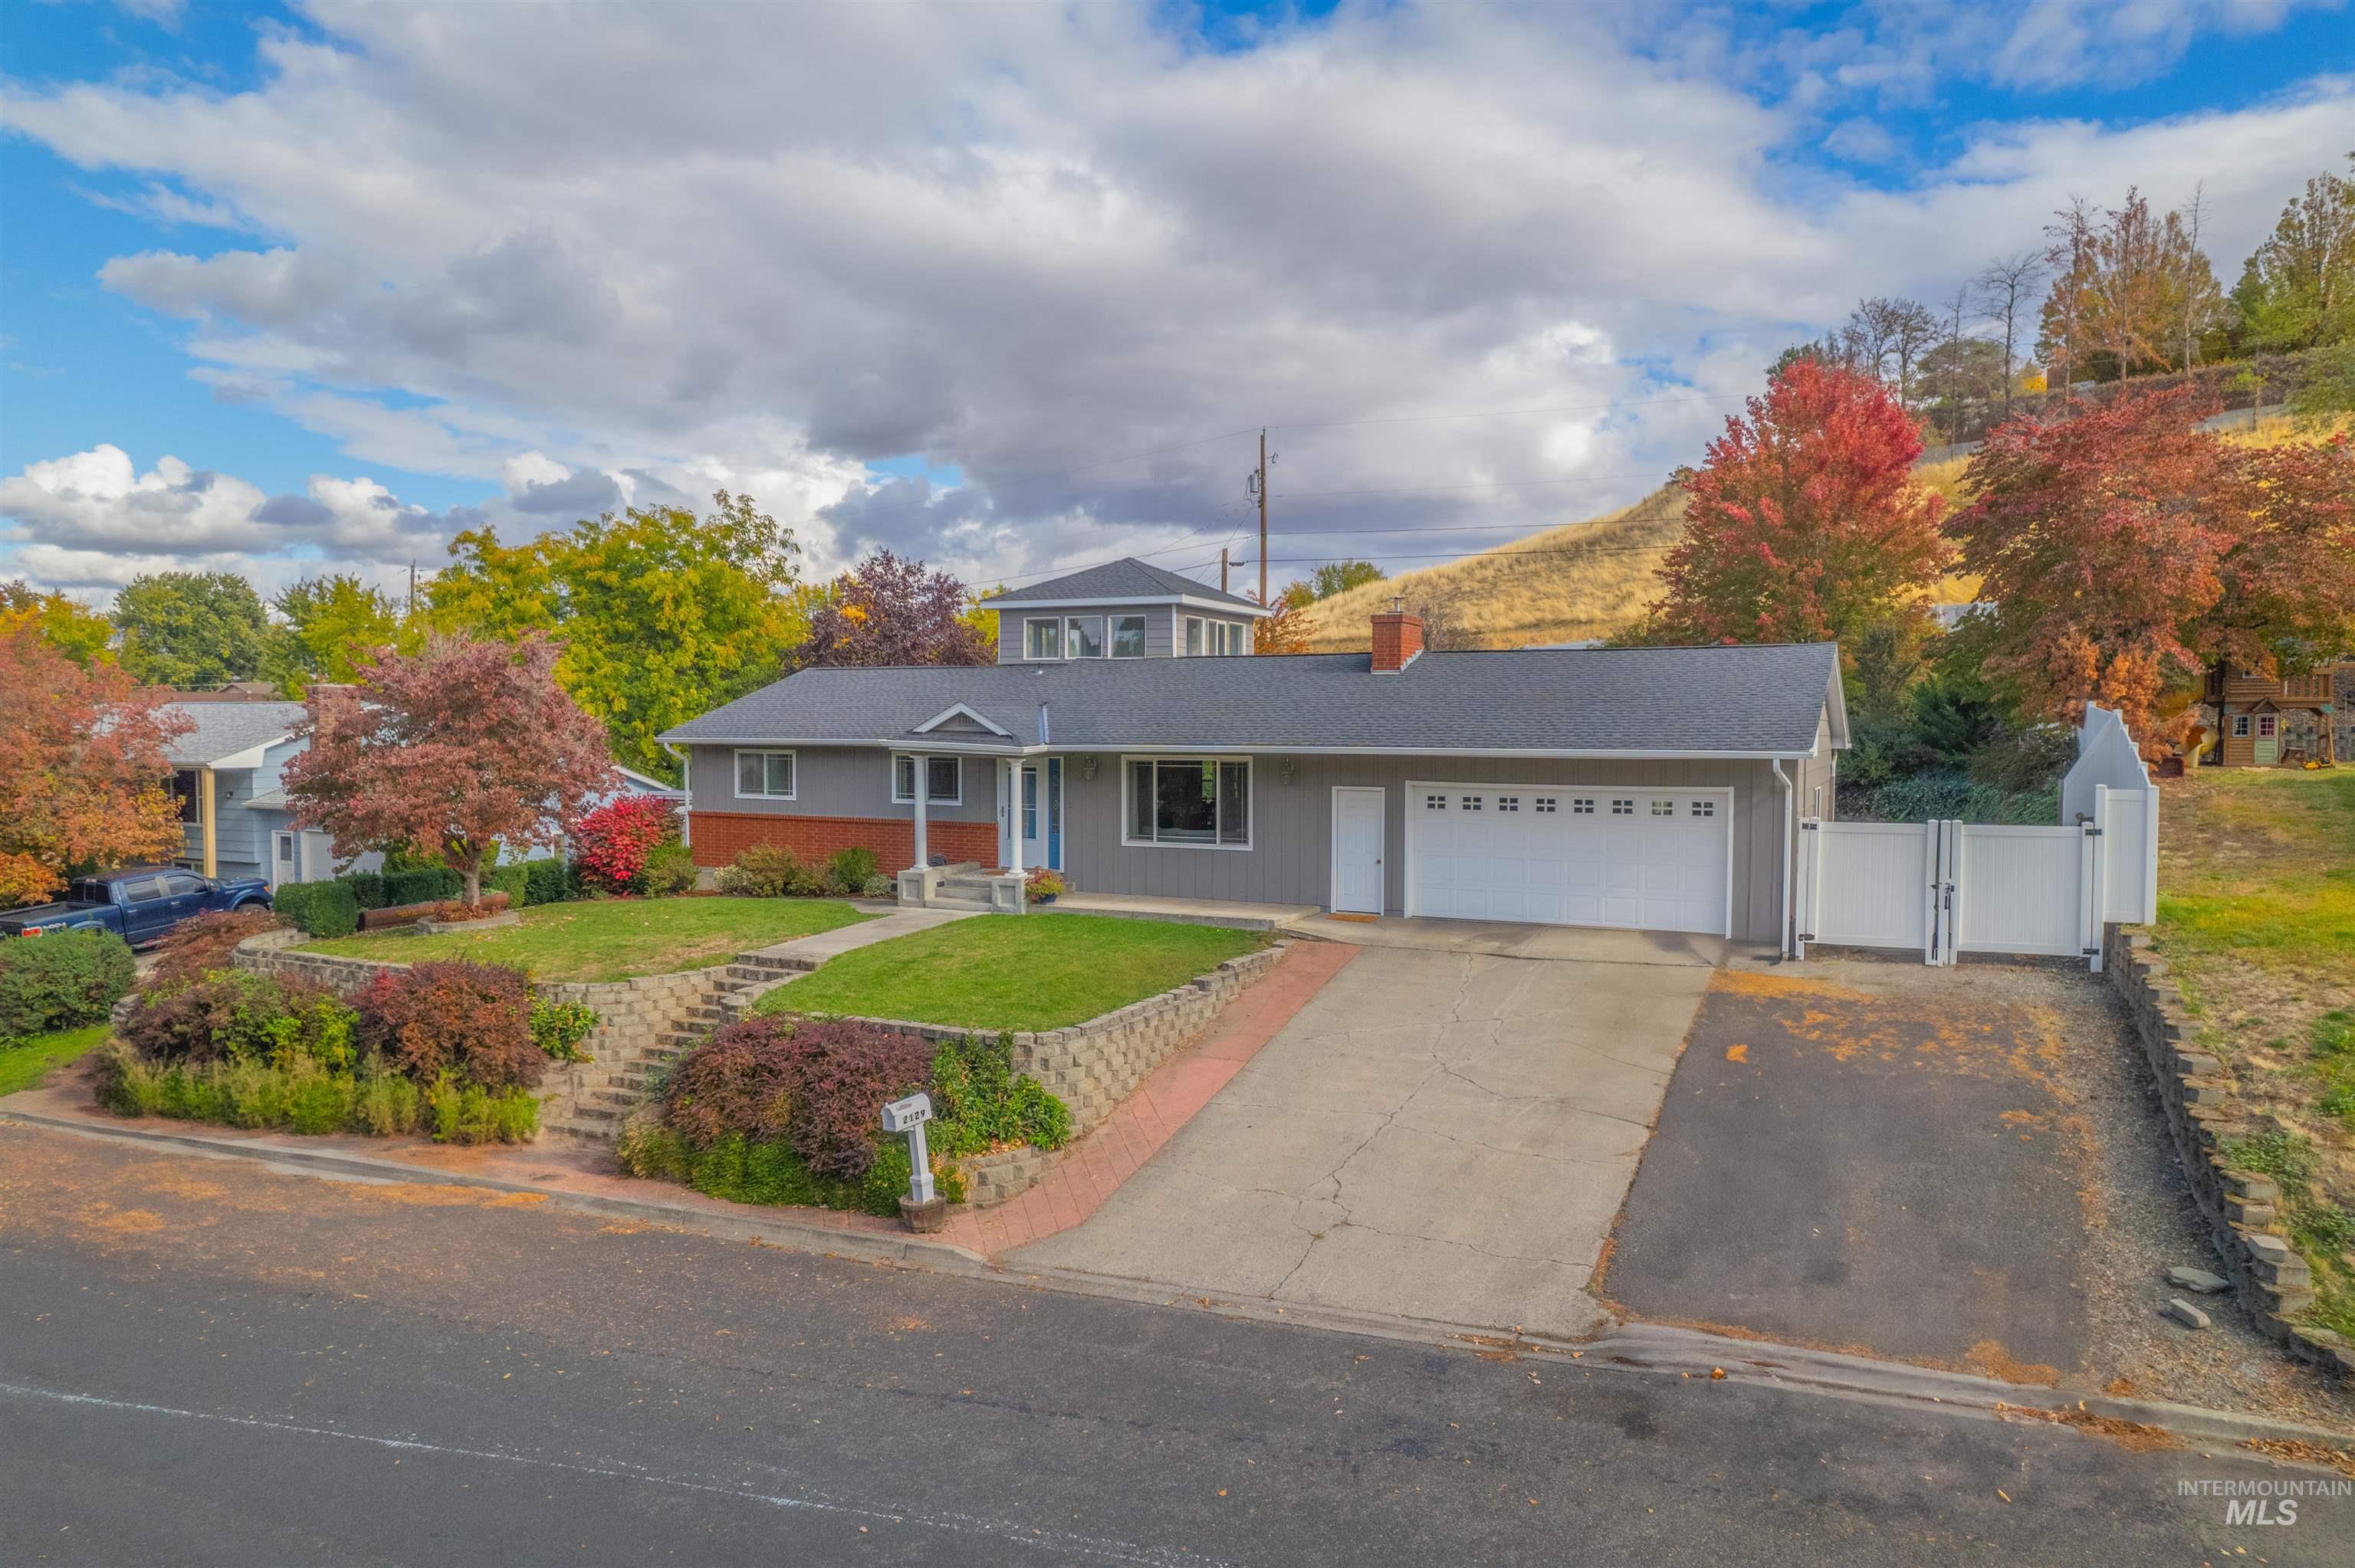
[953,711]
[249,757]
[1271,748]
[1836,701]
[1216,606]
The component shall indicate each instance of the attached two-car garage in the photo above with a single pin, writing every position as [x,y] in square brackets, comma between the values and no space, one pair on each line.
[1645,859]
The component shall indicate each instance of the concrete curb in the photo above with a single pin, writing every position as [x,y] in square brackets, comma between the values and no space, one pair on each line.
[1619,1347]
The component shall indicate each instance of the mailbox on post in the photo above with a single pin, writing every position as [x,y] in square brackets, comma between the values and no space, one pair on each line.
[908,1115]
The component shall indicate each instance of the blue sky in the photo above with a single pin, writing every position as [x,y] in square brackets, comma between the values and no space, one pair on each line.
[338,247]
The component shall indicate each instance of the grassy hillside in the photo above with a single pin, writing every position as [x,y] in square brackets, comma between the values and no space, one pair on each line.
[1604,575]
[1501,599]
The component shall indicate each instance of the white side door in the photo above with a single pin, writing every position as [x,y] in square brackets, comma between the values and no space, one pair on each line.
[1357,821]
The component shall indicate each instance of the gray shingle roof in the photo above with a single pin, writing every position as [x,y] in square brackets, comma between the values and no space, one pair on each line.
[1128,579]
[1760,700]
[224,729]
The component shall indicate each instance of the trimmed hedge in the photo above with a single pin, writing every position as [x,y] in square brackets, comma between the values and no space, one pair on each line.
[321,908]
[509,880]
[669,870]
[551,881]
[60,980]
[387,889]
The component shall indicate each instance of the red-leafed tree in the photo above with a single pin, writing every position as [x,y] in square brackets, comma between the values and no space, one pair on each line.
[616,837]
[887,610]
[2124,549]
[461,746]
[83,772]
[1805,523]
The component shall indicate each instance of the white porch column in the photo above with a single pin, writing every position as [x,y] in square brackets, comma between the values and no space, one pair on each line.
[923,774]
[1014,816]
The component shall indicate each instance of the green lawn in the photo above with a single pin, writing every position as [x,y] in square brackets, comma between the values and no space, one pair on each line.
[1003,971]
[612,939]
[25,1064]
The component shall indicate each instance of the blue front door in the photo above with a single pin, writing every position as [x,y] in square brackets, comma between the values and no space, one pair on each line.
[1055,812]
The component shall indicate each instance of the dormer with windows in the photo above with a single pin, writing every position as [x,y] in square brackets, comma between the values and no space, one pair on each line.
[1125,609]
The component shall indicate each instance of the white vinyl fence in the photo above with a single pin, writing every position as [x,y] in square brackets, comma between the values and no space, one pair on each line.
[1941,888]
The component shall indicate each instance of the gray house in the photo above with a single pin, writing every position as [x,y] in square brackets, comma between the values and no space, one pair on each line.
[225,776]
[1649,789]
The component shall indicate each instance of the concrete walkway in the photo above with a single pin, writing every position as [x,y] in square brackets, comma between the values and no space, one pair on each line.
[1588,944]
[1179,911]
[1439,1135]
[824,945]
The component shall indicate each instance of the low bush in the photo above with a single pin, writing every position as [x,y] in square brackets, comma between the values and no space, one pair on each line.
[980,1103]
[451,1017]
[243,1016]
[851,868]
[744,1171]
[425,885]
[761,870]
[669,869]
[615,838]
[511,880]
[559,1027]
[368,887]
[469,1113]
[60,980]
[736,1082]
[304,1097]
[197,947]
[321,908]
[550,881]
[879,887]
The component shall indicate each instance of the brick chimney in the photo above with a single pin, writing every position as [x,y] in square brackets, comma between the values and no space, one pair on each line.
[1397,638]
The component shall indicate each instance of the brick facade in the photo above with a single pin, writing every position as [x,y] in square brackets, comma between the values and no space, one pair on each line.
[719,836]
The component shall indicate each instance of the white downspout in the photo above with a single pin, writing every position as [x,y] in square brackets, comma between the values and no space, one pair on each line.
[1790,804]
[687,786]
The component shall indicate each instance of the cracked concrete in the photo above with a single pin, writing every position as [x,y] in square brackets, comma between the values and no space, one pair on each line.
[1439,1134]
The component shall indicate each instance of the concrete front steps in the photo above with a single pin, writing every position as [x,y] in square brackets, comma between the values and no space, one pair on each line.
[608,1089]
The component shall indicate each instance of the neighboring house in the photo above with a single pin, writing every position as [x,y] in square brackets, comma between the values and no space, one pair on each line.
[226,776]
[1653,788]
[239,822]
[2267,720]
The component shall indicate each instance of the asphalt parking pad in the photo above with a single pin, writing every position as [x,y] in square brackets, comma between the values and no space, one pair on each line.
[1873,1172]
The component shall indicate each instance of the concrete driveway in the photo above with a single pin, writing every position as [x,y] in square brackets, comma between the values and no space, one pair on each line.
[1442,1134]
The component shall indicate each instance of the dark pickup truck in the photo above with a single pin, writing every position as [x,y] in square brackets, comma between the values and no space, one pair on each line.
[140,905]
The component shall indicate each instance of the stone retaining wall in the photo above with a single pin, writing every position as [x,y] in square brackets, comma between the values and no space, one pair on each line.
[1093,1066]
[2202,1113]
[632,1015]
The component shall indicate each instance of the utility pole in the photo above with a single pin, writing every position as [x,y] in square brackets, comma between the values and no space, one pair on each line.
[412,591]
[1262,515]
[1222,568]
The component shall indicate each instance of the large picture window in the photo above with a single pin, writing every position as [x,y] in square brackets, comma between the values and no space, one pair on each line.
[1128,637]
[1212,637]
[764,775]
[1083,637]
[1189,802]
[943,781]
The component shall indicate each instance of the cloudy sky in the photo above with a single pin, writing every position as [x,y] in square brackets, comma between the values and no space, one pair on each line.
[1013,288]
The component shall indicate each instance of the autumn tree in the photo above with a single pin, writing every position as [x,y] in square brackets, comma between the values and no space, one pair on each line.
[83,767]
[461,746]
[889,610]
[1804,525]
[1285,629]
[1332,578]
[191,629]
[663,615]
[74,629]
[2297,290]
[2006,289]
[2131,291]
[2125,548]
[332,623]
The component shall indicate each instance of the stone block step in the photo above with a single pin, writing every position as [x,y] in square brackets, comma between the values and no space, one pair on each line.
[981,905]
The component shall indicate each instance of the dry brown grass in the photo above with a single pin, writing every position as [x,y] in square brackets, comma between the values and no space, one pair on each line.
[1502,599]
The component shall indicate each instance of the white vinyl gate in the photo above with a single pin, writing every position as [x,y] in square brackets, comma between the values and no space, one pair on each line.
[1941,888]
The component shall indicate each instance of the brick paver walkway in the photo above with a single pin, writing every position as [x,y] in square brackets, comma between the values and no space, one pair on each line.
[1165,1102]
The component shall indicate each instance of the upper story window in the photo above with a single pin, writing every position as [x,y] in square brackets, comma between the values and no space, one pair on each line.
[1083,637]
[764,775]
[1043,639]
[1212,637]
[1128,637]
[943,781]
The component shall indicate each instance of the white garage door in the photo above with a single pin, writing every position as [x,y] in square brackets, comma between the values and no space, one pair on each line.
[1652,860]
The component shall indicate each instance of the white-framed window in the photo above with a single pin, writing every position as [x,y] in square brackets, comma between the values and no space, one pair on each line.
[1583,806]
[1212,637]
[1548,803]
[1471,802]
[1623,808]
[2240,726]
[1509,802]
[1192,802]
[285,842]
[1083,637]
[765,776]
[1042,638]
[943,781]
[1664,808]
[1128,637]
[1435,802]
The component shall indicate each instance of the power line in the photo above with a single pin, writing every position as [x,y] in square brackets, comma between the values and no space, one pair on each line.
[1512,413]
[1477,556]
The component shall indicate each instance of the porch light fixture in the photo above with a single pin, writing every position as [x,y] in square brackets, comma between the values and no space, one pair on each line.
[1287,770]
[1087,768]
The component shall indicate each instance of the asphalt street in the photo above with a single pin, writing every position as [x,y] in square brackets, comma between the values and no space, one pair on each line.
[203,1361]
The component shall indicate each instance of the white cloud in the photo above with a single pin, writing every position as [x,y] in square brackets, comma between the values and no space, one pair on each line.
[761,247]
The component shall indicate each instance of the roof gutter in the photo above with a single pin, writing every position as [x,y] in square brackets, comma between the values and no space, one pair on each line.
[1267,748]
[1790,895]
